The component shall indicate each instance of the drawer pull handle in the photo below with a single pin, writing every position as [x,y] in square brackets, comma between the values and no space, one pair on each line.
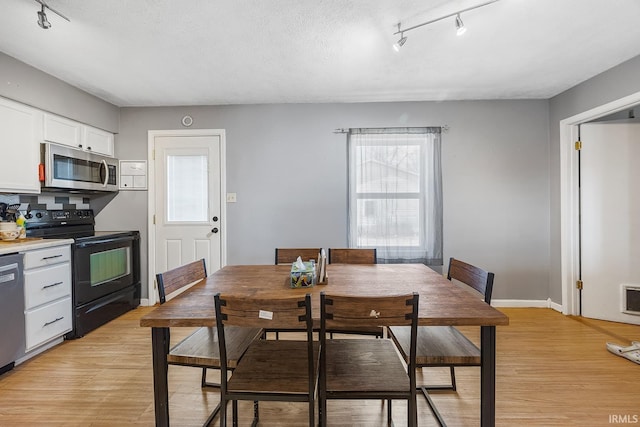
[52,285]
[53,321]
[52,257]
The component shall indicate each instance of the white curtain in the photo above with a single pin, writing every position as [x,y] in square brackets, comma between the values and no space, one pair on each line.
[395,193]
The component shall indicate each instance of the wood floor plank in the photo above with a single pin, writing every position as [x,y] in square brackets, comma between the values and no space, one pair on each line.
[552,370]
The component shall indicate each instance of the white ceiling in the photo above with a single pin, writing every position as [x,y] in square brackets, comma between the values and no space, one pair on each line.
[209,52]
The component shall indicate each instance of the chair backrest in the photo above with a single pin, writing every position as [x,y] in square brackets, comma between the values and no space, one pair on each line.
[477,278]
[348,311]
[289,255]
[180,277]
[267,313]
[352,256]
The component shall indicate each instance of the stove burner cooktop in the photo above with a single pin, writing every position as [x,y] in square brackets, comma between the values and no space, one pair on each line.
[60,224]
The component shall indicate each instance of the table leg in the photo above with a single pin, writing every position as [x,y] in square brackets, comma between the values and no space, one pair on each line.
[160,348]
[488,376]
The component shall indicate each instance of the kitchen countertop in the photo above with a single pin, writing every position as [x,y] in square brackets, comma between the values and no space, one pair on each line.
[20,245]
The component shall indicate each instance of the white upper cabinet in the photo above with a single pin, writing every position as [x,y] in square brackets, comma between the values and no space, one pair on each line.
[63,131]
[20,134]
[68,132]
[98,140]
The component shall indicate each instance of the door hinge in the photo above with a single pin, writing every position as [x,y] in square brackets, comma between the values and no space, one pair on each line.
[578,145]
[154,219]
[579,284]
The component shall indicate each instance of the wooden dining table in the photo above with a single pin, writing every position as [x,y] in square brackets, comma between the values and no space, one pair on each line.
[441,302]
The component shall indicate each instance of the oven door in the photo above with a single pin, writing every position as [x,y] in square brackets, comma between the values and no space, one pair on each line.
[103,265]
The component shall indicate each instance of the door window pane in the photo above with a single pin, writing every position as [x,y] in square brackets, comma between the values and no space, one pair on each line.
[187,192]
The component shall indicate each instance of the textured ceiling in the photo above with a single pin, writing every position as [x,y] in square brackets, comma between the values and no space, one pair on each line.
[207,52]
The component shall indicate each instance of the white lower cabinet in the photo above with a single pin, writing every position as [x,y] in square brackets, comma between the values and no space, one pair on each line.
[47,295]
[46,322]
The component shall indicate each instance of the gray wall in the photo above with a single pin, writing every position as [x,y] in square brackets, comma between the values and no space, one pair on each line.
[25,84]
[616,83]
[495,166]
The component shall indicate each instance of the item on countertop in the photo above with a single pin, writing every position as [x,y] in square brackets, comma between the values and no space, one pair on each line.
[9,234]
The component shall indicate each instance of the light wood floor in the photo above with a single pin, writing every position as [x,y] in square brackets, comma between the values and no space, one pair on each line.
[553,370]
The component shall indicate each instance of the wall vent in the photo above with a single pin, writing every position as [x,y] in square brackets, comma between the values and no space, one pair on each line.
[631,299]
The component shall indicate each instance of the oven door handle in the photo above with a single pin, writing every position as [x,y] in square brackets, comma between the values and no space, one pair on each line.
[103,241]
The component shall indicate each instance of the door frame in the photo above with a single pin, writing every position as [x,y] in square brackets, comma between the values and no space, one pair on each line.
[569,197]
[151,197]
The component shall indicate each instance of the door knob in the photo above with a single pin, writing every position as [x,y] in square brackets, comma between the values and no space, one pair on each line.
[214,230]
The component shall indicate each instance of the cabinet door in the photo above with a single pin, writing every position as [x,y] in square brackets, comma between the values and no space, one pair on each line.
[20,148]
[62,131]
[98,141]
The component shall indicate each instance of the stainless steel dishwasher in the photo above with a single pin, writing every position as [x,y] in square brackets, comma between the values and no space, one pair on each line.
[12,332]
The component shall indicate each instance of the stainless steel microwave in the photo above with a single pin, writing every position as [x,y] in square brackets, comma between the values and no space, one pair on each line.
[66,168]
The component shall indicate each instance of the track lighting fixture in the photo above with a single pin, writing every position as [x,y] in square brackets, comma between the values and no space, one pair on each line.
[460,28]
[43,22]
[397,45]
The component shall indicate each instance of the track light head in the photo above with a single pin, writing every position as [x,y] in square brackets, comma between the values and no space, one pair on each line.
[43,22]
[397,45]
[460,28]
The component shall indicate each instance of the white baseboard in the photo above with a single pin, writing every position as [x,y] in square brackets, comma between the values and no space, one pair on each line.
[520,303]
[144,302]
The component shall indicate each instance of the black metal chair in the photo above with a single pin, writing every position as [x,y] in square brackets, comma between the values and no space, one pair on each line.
[355,256]
[445,346]
[367,368]
[275,370]
[200,349]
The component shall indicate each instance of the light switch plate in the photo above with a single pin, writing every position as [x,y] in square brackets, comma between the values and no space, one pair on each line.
[231,197]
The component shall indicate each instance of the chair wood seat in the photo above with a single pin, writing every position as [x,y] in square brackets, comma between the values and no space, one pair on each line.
[274,367]
[201,347]
[357,367]
[437,346]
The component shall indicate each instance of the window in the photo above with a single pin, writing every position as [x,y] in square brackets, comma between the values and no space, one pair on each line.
[395,193]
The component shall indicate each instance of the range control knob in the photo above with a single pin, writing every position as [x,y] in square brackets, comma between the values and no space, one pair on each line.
[39,215]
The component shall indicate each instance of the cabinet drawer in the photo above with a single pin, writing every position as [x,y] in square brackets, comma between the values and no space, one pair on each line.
[47,322]
[46,284]
[44,257]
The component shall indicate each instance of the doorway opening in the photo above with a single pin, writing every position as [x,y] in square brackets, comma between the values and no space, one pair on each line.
[569,197]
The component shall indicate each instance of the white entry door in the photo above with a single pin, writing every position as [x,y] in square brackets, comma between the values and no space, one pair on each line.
[610,217]
[188,216]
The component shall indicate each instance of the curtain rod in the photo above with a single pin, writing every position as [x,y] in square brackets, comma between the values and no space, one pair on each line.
[443,128]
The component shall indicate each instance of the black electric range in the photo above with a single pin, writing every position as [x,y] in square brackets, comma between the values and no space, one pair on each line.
[105,265]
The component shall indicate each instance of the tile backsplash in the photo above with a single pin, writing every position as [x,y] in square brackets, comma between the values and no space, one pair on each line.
[47,201]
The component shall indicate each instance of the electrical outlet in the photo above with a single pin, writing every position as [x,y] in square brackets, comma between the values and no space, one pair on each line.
[231,197]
